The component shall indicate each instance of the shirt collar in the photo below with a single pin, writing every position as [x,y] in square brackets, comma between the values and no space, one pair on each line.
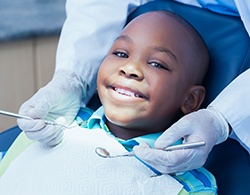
[98,120]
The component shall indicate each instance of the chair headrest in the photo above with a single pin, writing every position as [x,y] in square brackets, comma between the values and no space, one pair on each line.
[225,36]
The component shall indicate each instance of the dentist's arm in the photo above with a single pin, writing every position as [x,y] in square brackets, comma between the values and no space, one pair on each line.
[234,104]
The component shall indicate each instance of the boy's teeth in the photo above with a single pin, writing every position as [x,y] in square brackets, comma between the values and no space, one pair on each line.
[125,92]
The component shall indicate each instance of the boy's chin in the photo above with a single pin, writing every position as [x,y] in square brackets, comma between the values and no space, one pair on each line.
[118,121]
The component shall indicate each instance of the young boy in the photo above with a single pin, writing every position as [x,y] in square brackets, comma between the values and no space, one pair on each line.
[151,76]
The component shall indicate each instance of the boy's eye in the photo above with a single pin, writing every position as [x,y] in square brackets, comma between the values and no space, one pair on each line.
[120,54]
[157,65]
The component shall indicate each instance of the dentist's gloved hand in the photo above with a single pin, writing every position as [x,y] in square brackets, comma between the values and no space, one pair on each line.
[204,125]
[61,97]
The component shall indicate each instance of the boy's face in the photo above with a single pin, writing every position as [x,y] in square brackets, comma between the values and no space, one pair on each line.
[145,77]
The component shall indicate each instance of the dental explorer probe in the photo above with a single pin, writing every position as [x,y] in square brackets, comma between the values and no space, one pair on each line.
[11,114]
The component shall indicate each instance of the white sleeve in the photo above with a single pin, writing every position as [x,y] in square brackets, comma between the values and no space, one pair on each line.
[87,34]
[243,8]
[234,103]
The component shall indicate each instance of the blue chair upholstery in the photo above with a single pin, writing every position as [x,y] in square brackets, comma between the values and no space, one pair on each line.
[228,44]
[7,137]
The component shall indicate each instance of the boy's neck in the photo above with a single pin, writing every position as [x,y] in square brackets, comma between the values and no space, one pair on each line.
[124,133]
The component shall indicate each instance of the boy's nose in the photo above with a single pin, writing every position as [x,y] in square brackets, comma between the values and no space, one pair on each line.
[131,71]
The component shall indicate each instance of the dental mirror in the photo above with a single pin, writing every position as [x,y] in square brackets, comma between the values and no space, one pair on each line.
[102,152]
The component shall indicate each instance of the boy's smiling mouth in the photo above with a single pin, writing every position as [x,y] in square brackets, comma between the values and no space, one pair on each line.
[128,92]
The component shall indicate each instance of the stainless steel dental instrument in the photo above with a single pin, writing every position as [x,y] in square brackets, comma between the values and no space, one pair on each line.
[11,114]
[102,152]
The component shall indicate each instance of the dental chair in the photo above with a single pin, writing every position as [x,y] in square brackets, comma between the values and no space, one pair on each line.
[228,44]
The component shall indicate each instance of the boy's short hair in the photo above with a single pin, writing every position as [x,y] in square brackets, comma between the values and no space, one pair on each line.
[200,47]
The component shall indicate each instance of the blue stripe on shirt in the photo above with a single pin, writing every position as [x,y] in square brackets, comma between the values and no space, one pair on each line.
[201,177]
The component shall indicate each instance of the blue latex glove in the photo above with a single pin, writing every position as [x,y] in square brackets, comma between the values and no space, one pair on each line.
[61,97]
[204,125]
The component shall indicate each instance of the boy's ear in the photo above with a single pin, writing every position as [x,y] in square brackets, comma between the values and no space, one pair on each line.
[193,99]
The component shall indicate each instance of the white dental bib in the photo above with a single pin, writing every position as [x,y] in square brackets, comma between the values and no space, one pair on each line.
[74,168]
